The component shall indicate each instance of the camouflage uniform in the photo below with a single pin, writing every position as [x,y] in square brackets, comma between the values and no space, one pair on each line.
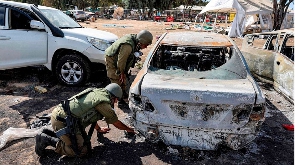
[97,101]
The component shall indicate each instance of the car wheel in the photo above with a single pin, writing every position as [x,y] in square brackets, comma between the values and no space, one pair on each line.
[72,70]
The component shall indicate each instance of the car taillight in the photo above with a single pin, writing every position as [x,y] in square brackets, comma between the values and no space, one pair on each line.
[142,102]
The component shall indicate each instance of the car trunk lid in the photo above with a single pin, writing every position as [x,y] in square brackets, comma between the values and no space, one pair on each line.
[206,103]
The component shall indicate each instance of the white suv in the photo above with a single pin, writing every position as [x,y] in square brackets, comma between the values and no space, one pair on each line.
[38,35]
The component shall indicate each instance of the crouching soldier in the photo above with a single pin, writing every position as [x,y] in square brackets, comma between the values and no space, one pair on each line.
[70,119]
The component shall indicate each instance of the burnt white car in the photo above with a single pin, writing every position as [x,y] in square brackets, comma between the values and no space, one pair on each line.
[270,57]
[195,90]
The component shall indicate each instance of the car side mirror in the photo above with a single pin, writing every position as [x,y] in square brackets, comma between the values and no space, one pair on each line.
[36,25]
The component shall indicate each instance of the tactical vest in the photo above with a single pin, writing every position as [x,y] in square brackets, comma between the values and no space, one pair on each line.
[114,49]
[83,105]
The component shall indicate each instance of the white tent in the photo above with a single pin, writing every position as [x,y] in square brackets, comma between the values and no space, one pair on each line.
[241,8]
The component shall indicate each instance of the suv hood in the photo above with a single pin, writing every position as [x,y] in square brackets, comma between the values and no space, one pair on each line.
[88,32]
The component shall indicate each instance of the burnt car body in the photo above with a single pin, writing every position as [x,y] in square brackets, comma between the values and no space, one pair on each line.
[270,57]
[195,90]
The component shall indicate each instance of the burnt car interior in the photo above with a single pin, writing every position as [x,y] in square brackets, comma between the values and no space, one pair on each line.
[169,57]
[288,47]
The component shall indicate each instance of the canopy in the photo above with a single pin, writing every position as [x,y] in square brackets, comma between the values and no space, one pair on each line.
[241,8]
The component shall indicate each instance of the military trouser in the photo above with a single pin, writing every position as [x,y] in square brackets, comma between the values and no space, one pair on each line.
[112,73]
[63,147]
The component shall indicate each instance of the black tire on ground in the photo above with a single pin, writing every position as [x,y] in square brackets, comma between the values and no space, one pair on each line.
[72,70]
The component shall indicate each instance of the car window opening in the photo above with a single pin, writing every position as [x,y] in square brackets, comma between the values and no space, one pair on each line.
[202,60]
[2,16]
[288,47]
[19,20]
[190,58]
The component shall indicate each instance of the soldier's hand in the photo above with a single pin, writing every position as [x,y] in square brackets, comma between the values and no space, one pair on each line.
[122,78]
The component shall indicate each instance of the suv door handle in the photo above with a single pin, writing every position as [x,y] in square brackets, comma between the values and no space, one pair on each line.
[4,38]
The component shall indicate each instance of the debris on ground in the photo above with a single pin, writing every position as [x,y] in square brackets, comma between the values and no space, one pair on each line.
[40,89]
[289,127]
[16,133]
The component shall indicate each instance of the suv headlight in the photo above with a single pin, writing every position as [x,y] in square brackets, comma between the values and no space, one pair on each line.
[99,43]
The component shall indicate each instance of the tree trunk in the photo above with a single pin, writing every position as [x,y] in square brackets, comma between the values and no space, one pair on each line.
[280,9]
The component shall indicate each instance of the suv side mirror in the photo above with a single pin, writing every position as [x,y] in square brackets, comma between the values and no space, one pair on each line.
[37,25]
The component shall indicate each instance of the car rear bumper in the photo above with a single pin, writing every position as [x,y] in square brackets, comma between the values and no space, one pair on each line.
[195,138]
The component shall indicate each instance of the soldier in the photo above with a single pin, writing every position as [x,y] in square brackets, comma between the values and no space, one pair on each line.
[85,108]
[120,56]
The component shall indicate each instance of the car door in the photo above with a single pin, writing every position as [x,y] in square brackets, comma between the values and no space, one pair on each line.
[20,45]
[260,53]
[284,66]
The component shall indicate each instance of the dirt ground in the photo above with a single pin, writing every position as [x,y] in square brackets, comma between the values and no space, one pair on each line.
[20,104]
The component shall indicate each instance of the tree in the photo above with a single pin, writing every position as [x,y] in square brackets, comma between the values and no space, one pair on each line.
[280,9]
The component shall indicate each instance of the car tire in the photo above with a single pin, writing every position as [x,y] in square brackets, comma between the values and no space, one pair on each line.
[72,70]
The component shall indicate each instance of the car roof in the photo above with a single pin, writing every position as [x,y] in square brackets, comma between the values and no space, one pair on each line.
[196,39]
[282,31]
[290,30]
[24,5]
[17,4]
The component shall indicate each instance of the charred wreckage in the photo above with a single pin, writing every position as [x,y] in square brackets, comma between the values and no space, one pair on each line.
[195,90]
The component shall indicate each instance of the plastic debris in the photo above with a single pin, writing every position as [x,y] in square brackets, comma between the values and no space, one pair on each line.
[289,127]
[16,133]
[40,89]
[41,121]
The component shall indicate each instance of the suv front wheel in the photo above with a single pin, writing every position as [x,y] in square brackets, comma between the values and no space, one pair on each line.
[72,70]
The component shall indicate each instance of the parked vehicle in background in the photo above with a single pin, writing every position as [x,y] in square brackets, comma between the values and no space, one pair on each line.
[79,15]
[89,15]
[69,13]
[270,56]
[253,28]
[195,90]
[39,35]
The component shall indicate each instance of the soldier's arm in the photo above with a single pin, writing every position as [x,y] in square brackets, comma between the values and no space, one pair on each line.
[107,111]
[111,118]
[118,124]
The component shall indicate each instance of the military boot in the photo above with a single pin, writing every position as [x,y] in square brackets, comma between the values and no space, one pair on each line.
[42,141]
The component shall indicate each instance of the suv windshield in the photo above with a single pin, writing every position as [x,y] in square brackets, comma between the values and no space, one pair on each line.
[60,19]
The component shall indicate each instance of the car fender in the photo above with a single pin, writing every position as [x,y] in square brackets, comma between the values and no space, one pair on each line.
[135,87]
[70,43]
